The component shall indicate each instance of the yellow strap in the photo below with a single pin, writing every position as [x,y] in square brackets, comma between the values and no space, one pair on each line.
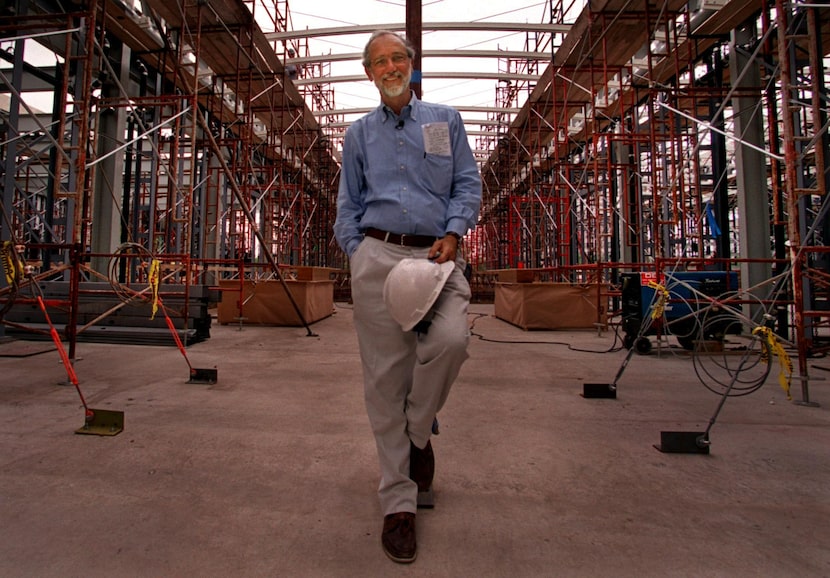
[774,346]
[662,297]
[154,283]
[13,273]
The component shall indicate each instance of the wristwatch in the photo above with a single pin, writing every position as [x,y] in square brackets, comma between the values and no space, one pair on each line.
[454,234]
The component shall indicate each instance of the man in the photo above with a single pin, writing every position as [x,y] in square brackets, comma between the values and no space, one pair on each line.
[409,188]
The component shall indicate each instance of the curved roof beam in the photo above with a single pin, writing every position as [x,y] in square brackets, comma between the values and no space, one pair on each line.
[357,56]
[431,26]
[459,108]
[472,75]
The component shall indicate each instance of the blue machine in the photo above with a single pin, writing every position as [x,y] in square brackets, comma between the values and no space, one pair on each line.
[684,309]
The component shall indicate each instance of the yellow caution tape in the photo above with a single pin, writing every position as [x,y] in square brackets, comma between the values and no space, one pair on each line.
[13,268]
[774,346]
[154,283]
[662,297]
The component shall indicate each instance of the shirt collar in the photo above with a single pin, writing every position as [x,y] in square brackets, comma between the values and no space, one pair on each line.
[409,111]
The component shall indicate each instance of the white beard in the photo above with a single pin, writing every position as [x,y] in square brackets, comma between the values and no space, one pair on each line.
[393,91]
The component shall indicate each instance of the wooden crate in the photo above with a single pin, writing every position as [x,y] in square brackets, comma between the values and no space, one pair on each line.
[550,305]
[515,275]
[266,302]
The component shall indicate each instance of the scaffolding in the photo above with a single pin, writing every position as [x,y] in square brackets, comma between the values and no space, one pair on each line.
[677,135]
[682,135]
[135,87]
[175,135]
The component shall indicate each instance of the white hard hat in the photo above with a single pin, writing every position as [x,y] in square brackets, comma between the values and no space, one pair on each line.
[411,288]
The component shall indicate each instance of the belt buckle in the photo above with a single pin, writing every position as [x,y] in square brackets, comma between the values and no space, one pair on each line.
[401,241]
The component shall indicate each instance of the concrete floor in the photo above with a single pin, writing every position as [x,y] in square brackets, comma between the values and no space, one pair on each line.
[272,471]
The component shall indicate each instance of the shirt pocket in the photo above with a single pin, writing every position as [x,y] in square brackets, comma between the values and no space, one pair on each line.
[436,174]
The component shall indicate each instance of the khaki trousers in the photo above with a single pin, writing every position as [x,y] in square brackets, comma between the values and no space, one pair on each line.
[406,375]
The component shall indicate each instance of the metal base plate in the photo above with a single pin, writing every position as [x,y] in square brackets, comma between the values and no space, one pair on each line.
[426,499]
[599,390]
[209,376]
[807,403]
[683,442]
[104,422]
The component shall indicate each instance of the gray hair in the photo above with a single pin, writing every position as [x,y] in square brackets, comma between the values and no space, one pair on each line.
[410,50]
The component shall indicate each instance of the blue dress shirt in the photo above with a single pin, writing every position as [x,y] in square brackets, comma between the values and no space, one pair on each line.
[392,179]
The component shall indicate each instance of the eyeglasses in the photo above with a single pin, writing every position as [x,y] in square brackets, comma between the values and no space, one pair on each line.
[397,58]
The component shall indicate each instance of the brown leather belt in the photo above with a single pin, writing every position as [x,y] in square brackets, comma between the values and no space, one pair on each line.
[403,240]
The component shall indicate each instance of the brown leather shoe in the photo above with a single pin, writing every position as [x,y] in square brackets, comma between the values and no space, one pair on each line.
[398,537]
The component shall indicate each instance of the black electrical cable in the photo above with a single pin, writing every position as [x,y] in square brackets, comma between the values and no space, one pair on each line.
[740,370]
[478,316]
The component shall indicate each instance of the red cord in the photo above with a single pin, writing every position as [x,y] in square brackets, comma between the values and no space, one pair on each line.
[70,371]
[175,334]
